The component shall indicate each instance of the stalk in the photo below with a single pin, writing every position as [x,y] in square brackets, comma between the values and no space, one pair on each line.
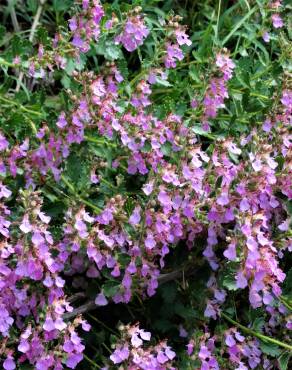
[260,336]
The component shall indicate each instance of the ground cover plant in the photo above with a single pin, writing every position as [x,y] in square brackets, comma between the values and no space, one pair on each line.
[145,184]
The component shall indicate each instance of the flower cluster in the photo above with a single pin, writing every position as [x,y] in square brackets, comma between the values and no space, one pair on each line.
[176,40]
[132,353]
[134,32]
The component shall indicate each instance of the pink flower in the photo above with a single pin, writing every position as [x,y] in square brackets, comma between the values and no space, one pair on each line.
[277,21]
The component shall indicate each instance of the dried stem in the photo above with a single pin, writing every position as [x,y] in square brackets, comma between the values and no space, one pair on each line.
[13,15]
[90,305]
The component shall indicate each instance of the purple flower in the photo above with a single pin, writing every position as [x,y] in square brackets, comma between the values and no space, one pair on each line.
[257,165]
[4,191]
[266,37]
[120,354]
[229,340]
[49,324]
[37,239]
[182,332]
[9,364]
[23,346]
[204,353]
[136,341]
[182,38]
[244,205]
[133,34]
[174,53]
[164,199]
[145,335]
[100,300]
[210,311]
[223,200]
[190,348]
[284,226]
[25,226]
[135,218]
[161,357]
[150,242]
[61,123]
[241,281]
[148,188]
[73,360]
[220,295]
[59,324]
[3,143]
[239,337]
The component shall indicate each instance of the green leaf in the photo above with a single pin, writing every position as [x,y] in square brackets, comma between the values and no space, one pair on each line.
[110,288]
[169,292]
[199,131]
[112,51]
[229,282]
[162,82]
[32,5]
[62,6]
[258,324]
[283,360]
[270,349]
[2,32]
[108,49]
[163,325]
[166,149]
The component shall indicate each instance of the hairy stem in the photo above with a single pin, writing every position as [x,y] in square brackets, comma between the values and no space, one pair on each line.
[260,336]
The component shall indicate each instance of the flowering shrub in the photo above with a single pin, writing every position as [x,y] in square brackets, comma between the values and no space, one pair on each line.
[145,185]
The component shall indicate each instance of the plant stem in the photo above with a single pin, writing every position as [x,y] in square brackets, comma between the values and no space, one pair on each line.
[102,324]
[285,303]
[5,63]
[21,107]
[256,334]
[91,362]
[99,141]
[217,24]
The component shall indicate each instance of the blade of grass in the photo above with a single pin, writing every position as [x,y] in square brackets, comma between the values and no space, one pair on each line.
[238,25]
[217,24]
